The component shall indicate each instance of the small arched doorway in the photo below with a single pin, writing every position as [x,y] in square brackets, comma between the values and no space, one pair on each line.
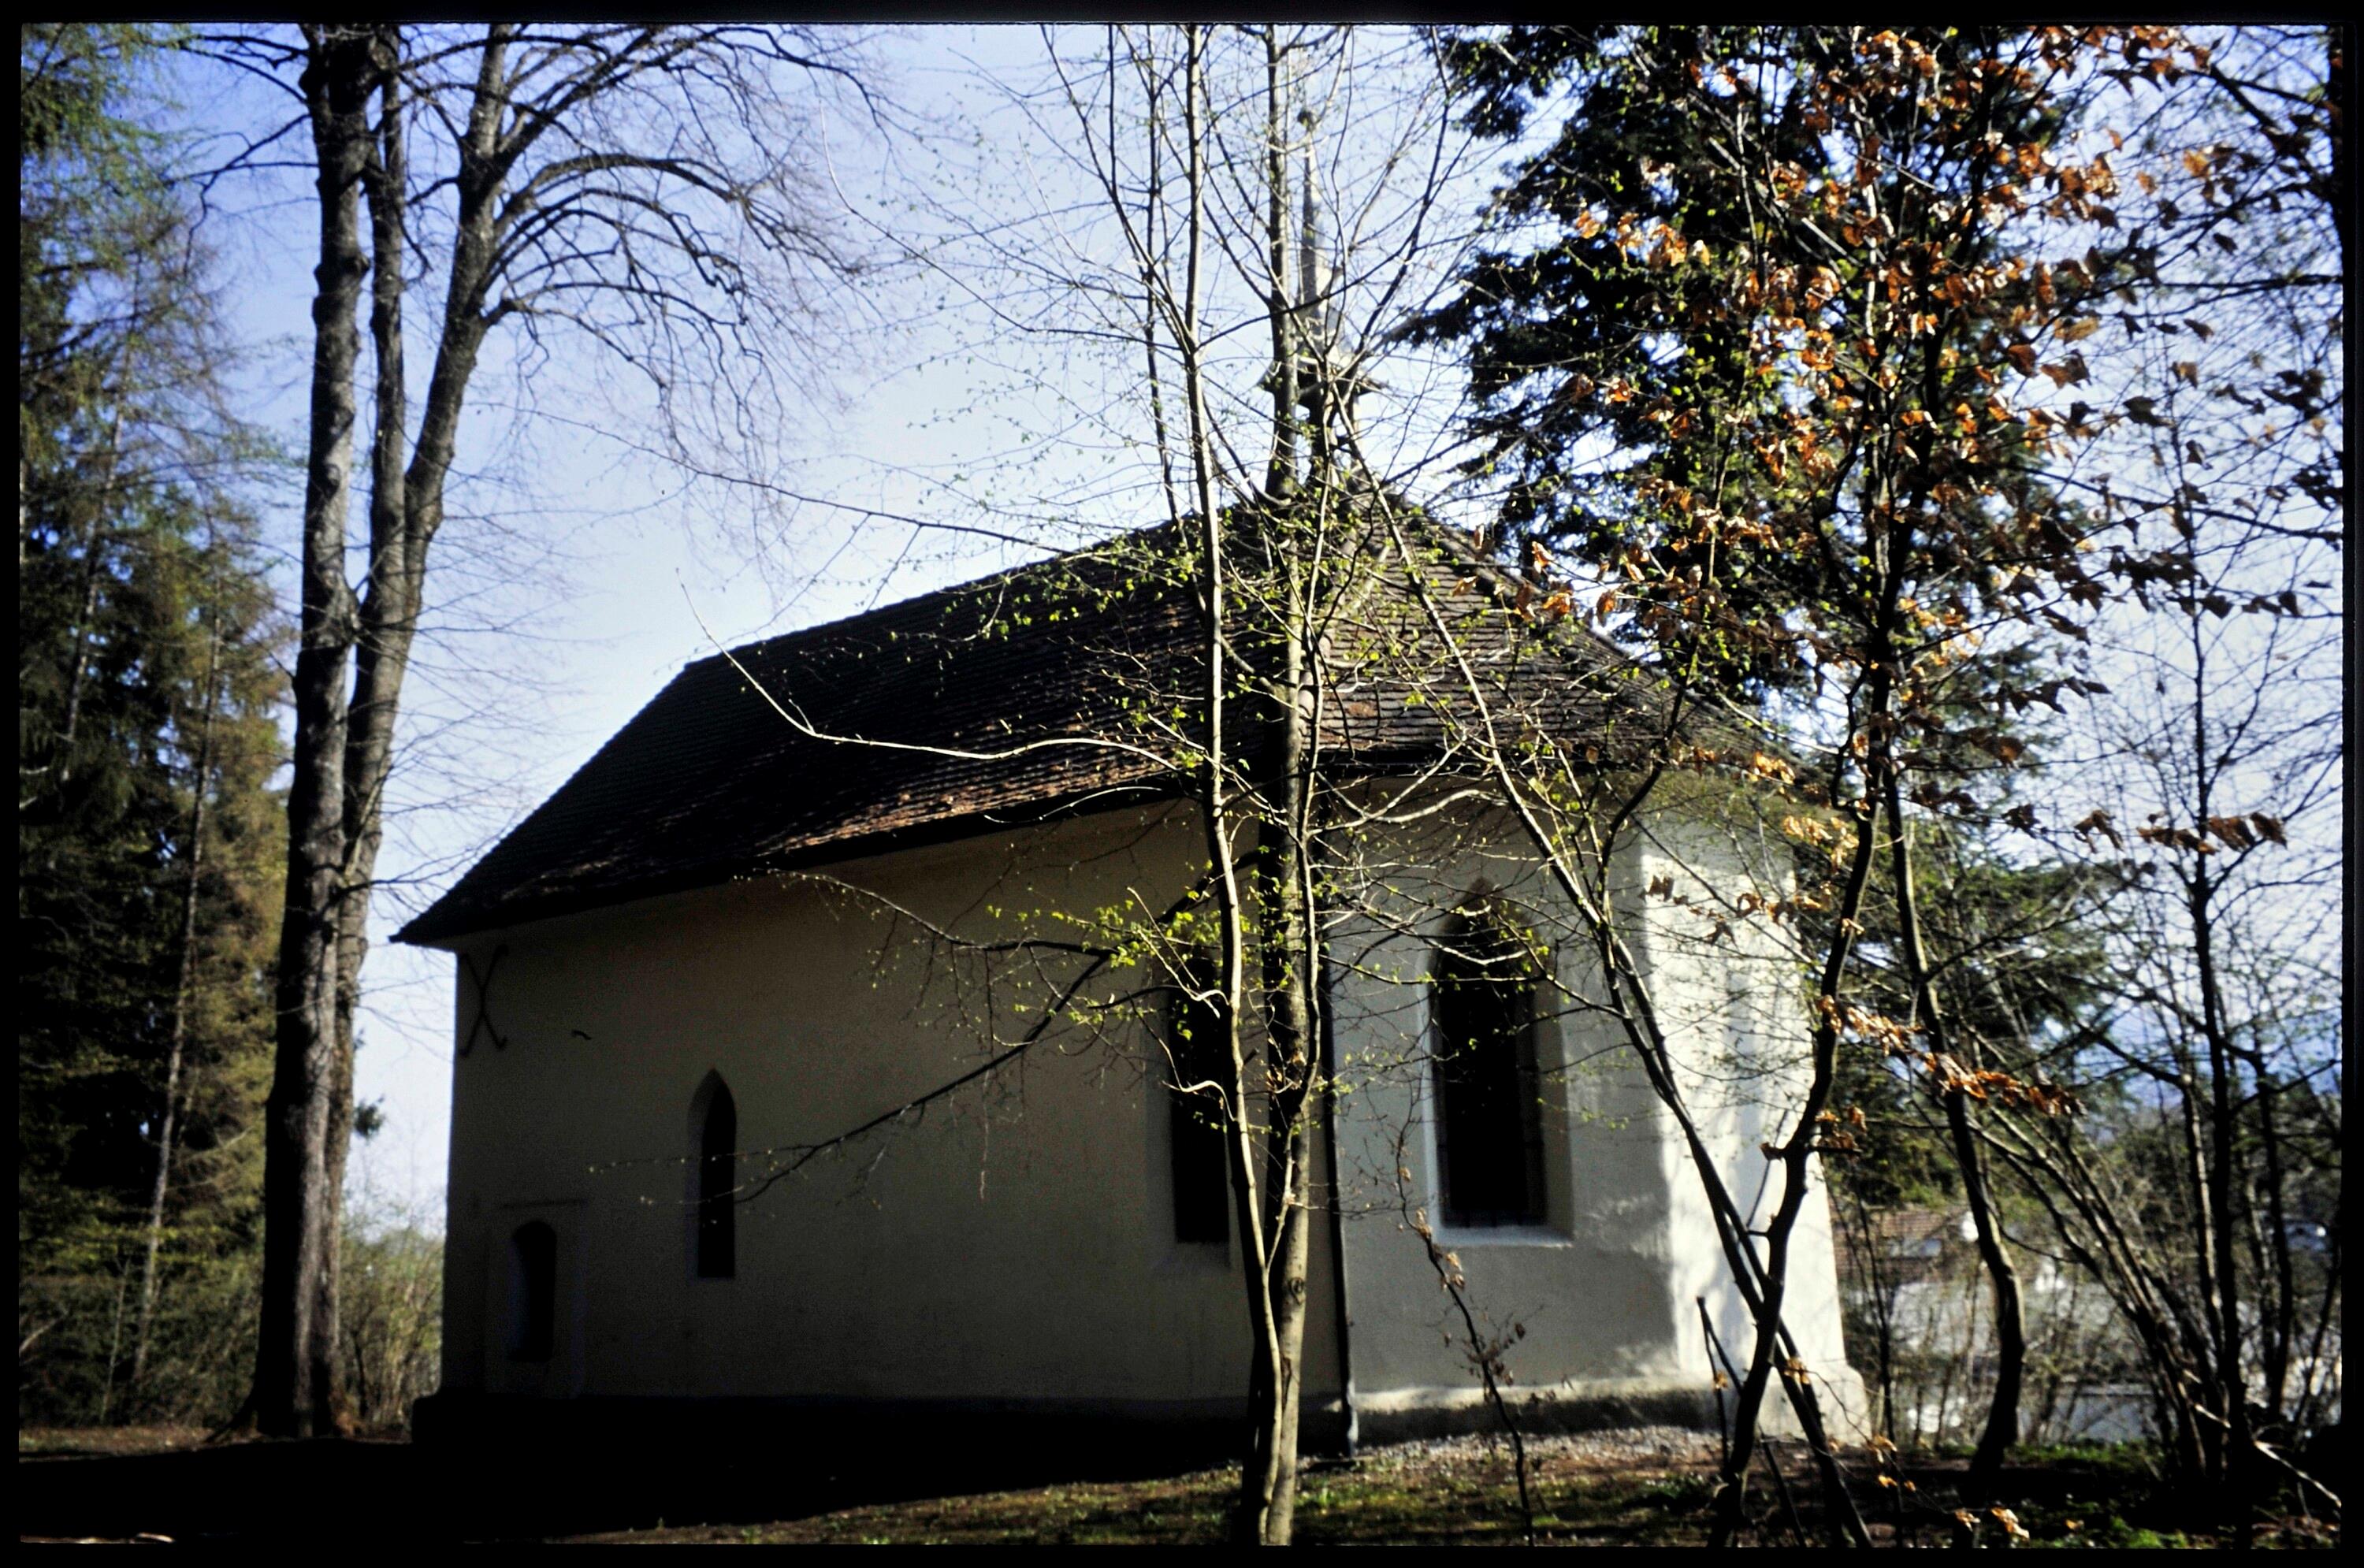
[533,1293]
[714,1154]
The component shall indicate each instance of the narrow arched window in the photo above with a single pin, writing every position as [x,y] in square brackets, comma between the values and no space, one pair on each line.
[1489,1122]
[1199,1159]
[716,1125]
[533,1262]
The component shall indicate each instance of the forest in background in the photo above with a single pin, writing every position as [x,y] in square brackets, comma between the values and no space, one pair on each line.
[150,829]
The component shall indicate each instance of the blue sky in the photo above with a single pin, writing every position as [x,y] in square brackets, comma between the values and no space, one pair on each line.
[577,573]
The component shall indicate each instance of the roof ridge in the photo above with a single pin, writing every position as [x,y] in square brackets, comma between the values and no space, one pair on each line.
[950,592]
[702,779]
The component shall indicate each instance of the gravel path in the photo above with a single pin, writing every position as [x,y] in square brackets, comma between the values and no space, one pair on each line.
[1615,1447]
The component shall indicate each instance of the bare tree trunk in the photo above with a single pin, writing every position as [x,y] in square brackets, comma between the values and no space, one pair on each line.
[1280,470]
[2231,1367]
[91,573]
[2001,1430]
[406,510]
[337,82]
[1283,767]
[387,620]
[1794,1156]
[2201,1339]
[2212,1170]
[1289,937]
[2280,1326]
[1267,1376]
[167,1119]
[344,755]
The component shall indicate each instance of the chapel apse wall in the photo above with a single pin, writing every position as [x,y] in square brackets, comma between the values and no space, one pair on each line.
[1011,1243]
[1015,1244]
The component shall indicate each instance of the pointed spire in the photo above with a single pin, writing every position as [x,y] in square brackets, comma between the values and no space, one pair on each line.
[1318,307]
[1327,378]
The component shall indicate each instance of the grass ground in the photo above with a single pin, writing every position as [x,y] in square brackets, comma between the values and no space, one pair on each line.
[1645,1488]
[1447,1492]
[99,1442]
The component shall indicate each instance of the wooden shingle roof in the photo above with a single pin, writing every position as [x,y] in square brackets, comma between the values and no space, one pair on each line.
[973,706]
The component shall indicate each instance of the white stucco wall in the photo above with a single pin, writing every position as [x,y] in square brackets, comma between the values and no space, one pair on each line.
[1608,1290]
[1737,996]
[1011,1244]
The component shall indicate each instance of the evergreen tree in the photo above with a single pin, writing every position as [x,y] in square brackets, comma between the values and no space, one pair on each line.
[1765,348]
[148,701]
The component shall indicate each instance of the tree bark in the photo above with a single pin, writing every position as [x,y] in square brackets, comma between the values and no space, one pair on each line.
[344,754]
[406,511]
[2231,1365]
[1794,1157]
[387,618]
[2280,1327]
[2001,1433]
[1218,805]
[168,1116]
[337,82]
[406,502]
[1289,934]
[1283,799]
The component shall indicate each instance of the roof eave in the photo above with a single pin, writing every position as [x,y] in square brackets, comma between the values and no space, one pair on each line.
[434,927]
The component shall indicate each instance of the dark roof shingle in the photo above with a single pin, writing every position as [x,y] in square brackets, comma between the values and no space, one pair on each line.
[955,706]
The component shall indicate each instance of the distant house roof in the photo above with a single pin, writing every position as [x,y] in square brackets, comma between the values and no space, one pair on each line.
[910,720]
[1903,1245]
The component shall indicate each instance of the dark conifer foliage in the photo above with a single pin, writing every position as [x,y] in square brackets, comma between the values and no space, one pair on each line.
[1802,344]
[148,830]
[1639,250]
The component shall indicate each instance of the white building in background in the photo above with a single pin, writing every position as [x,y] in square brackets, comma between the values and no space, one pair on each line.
[727,940]
[1914,1273]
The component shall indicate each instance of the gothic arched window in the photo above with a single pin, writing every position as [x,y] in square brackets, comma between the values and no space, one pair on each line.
[1490,1121]
[533,1258]
[1200,1163]
[715,1120]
